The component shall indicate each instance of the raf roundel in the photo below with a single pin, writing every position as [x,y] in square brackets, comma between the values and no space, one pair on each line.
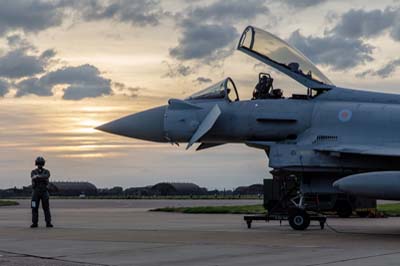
[345,115]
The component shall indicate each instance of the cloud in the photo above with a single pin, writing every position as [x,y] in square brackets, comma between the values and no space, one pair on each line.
[228,11]
[48,54]
[137,13]
[303,3]
[359,23]
[18,64]
[206,42]
[22,59]
[80,74]
[177,70]
[208,34]
[121,88]
[4,87]
[382,72]
[29,16]
[33,86]
[81,91]
[39,15]
[17,41]
[202,80]
[83,81]
[331,50]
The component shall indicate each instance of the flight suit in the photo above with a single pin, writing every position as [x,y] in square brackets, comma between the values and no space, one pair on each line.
[262,89]
[40,181]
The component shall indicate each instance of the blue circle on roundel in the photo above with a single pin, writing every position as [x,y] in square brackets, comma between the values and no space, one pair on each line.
[345,115]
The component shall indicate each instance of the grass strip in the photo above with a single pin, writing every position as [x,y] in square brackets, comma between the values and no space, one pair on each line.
[8,203]
[390,209]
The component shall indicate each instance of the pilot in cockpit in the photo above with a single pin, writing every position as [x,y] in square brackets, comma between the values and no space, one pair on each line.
[265,89]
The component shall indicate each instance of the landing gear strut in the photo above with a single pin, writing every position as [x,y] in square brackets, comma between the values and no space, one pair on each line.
[298,217]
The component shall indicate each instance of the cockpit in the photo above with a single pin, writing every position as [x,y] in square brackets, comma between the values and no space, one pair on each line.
[278,54]
[264,89]
[224,89]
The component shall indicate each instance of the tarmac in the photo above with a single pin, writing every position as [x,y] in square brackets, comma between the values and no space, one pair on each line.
[124,232]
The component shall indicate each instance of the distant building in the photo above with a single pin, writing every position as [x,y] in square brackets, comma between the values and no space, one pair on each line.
[256,189]
[72,188]
[16,192]
[139,191]
[167,189]
[114,191]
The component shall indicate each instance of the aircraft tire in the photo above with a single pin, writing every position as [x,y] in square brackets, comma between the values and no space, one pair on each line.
[299,219]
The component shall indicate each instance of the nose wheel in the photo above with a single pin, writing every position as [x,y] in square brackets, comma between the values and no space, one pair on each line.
[299,219]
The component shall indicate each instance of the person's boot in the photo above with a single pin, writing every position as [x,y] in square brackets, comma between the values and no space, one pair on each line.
[49,225]
[34,225]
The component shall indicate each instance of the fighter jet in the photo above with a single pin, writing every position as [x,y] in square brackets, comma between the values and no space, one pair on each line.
[332,138]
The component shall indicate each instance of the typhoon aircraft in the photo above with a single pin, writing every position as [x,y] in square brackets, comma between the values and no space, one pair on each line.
[331,138]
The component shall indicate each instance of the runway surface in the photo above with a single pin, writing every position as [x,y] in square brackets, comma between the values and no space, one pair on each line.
[123,232]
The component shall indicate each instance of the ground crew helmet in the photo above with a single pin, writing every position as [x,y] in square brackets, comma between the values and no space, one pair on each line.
[40,161]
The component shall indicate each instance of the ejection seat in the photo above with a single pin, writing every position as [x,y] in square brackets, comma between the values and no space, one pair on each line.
[265,88]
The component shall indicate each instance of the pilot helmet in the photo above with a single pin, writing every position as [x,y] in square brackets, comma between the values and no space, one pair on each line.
[40,161]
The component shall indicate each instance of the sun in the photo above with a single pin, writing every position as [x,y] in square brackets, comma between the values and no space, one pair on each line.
[90,123]
[88,126]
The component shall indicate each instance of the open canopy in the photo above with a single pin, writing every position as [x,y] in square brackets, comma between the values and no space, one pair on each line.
[280,55]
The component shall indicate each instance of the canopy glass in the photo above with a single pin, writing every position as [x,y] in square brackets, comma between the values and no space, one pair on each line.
[224,89]
[279,54]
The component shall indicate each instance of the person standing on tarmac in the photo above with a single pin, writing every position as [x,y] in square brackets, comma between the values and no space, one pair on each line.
[40,181]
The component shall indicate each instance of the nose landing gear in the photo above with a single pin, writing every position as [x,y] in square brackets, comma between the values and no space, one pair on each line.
[292,207]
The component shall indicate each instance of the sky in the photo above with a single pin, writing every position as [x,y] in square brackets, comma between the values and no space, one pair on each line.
[69,66]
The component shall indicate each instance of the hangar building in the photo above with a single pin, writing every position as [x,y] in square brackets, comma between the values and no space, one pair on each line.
[255,189]
[72,188]
[167,189]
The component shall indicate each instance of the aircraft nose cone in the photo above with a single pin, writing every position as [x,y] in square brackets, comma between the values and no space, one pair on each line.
[146,125]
